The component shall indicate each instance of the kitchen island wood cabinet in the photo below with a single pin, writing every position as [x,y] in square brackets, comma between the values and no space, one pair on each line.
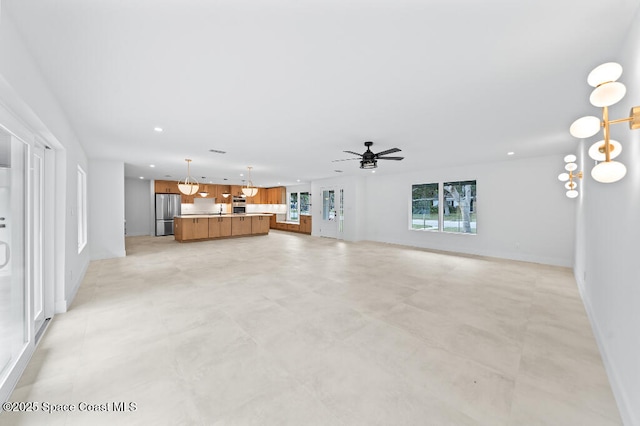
[260,225]
[191,229]
[207,227]
[241,225]
[219,227]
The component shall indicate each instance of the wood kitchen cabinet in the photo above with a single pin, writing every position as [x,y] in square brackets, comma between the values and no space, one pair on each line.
[221,189]
[305,224]
[187,229]
[236,190]
[187,199]
[219,227]
[276,195]
[260,225]
[166,187]
[241,225]
[257,199]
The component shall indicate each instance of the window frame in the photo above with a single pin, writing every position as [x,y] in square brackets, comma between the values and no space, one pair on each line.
[442,199]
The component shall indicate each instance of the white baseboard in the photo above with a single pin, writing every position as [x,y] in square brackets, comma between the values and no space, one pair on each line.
[624,406]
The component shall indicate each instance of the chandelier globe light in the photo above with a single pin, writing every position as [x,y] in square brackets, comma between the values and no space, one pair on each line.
[250,190]
[189,186]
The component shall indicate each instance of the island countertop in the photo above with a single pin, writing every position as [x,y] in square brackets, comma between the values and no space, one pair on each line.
[202,216]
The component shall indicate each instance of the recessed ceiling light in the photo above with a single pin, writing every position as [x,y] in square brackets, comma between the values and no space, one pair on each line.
[141,177]
[510,153]
[279,183]
[241,174]
[158,129]
[373,171]
[298,180]
[152,165]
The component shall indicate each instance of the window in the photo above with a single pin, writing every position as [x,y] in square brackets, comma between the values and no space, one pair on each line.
[459,207]
[424,206]
[293,206]
[81,209]
[447,207]
[305,203]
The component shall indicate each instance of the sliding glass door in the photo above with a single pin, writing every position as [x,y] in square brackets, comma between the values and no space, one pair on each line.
[14,324]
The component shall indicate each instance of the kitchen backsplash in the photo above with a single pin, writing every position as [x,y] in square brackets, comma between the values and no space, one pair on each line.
[208,206]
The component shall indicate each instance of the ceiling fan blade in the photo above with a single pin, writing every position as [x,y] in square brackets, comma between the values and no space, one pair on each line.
[390,158]
[354,153]
[346,159]
[389,151]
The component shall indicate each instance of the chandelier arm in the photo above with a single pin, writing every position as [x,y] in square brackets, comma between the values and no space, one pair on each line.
[621,120]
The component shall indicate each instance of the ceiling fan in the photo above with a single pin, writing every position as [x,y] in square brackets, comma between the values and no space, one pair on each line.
[369,160]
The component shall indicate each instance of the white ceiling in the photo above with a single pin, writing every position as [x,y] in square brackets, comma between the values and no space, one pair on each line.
[286,85]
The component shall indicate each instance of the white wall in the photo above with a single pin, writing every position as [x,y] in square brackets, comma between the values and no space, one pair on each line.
[523,213]
[106,209]
[137,205]
[607,265]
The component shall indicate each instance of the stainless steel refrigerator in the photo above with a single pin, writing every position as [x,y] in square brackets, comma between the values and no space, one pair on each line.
[167,206]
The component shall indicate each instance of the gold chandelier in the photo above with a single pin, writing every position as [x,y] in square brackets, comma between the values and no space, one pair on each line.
[189,186]
[571,167]
[608,91]
[249,190]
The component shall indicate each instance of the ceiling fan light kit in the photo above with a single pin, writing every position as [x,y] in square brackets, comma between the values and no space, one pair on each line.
[608,91]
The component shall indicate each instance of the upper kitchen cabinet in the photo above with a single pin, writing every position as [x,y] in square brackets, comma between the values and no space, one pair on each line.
[166,187]
[223,189]
[187,199]
[210,190]
[259,198]
[236,190]
[275,195]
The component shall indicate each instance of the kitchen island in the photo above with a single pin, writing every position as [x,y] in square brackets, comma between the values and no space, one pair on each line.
[199,227]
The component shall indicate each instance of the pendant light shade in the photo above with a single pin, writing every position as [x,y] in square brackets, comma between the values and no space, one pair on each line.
[249,190]
[611,71]
[607,94]
[585,127]
[608,171]
[189,186]
[598,152]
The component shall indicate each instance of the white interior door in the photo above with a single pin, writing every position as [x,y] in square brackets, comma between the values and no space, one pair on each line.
[332,218]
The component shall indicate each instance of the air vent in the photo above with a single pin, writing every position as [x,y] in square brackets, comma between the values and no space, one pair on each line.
[338,171]
[217,151]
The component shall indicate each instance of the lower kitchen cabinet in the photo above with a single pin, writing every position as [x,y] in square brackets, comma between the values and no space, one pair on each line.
[260,225]
[191,229]
[305,224]
[214,226]
[219,227]
[241,225]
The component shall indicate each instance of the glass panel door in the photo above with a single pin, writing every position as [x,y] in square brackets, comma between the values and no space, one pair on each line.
[328,225]
[13,313]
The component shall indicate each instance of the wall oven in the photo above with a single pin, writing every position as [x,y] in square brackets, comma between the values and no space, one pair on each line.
[239,205]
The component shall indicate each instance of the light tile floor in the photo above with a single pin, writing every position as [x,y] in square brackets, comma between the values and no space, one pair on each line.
[288,329]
